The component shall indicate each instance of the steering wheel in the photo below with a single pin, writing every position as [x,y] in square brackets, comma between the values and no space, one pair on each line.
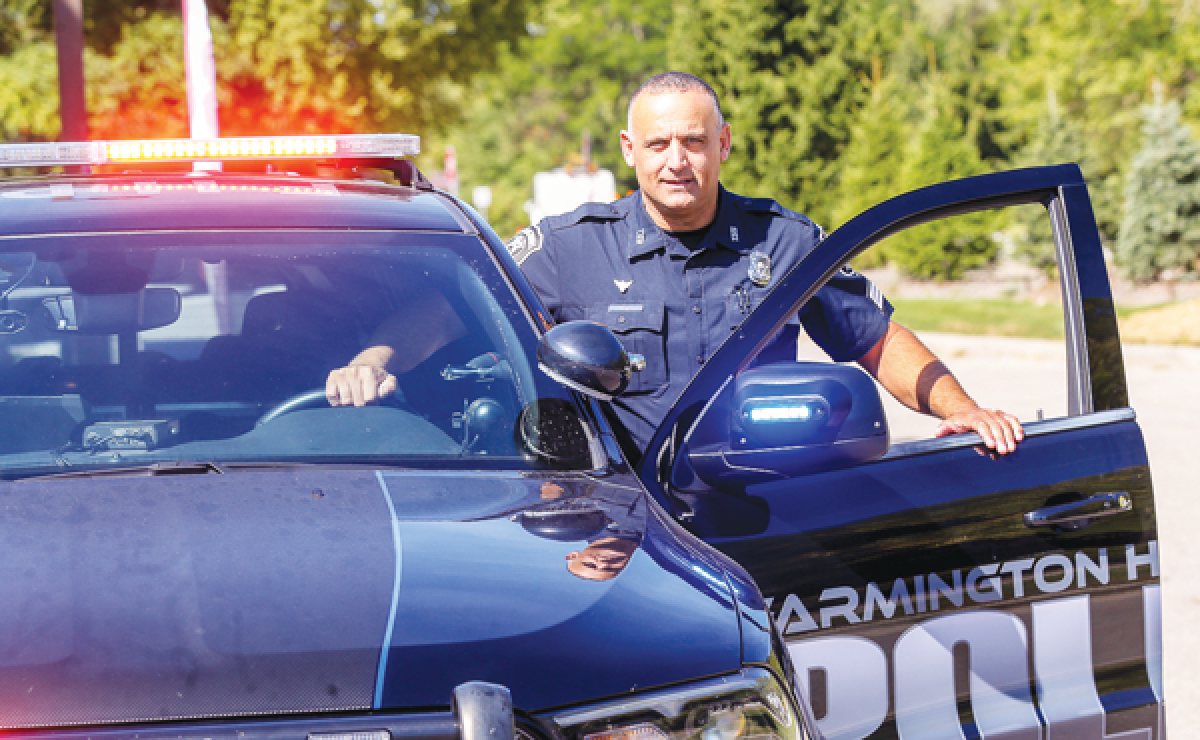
[316,398]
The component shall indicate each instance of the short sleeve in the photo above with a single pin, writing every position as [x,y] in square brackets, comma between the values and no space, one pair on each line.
[847,317]
[528,250]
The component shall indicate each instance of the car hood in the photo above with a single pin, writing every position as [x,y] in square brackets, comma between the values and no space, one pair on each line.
[151,598]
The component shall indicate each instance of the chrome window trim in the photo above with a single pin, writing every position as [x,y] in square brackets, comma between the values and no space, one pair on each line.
[1079,373]
[1032,429]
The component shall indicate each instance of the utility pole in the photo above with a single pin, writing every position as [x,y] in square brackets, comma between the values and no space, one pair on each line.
[68,37]
[200,70]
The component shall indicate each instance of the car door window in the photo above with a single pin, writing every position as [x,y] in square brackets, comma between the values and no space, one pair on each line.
[999,328]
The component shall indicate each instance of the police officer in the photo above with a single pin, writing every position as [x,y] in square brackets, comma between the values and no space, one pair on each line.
[676,266]
[673,268]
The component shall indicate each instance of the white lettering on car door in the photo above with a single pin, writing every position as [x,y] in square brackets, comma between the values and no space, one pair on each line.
[998,649]
[856,686]
[1062,659]
[924,696]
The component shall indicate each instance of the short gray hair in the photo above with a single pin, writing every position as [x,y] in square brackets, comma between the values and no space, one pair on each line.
[673,82]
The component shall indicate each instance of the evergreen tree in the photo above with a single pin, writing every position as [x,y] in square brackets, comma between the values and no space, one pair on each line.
[871,166]
[1161,225]
[1058,140]
[941,149]
[790,74]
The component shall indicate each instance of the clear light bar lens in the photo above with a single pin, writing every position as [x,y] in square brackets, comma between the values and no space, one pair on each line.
[782,413]
[49,154]
[802,408]
[182,150]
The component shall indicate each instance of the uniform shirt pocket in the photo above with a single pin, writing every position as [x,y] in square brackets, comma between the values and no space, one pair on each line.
[739,303]
[641,327]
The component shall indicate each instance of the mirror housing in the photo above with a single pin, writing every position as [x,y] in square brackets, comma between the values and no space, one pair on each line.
[115,313]
[586,357]
[788,419]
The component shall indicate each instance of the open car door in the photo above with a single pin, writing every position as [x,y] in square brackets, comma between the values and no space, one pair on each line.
[927,589]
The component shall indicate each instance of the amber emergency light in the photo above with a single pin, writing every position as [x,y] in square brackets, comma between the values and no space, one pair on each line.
[351,146]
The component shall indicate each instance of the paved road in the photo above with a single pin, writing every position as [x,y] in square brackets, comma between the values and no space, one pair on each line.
[1023,376]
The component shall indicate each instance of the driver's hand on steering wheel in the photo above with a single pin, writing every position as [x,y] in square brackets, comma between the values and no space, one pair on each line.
[358,385]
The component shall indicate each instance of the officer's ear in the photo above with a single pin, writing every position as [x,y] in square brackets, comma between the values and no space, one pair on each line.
[726,141]
[627,147]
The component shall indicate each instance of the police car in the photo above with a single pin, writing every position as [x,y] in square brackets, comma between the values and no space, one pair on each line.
[196,544]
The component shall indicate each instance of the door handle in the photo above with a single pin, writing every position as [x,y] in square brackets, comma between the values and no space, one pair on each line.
[1078,514]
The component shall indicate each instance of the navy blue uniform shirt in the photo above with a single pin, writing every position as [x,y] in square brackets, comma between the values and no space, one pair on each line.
[610,263]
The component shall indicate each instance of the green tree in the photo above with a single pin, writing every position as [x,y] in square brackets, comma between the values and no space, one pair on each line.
[574,73]
[790,74]
[942,148]
[1059,139]
[1161,225]
[283,66]
[1099,56]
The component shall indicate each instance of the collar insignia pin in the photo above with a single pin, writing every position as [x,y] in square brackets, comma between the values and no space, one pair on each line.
[760,269]
[733,235]
[641,236]
[623,285]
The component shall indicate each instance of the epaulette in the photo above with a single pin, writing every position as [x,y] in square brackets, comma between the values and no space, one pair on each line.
[585,212]
[769,205]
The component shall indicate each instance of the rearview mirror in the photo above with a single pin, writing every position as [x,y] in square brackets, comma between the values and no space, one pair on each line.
[114,313]
[788,419]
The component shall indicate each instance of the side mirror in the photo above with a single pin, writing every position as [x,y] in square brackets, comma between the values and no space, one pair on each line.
[788,419]
[588,357]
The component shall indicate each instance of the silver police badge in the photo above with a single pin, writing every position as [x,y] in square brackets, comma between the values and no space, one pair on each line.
[760,269]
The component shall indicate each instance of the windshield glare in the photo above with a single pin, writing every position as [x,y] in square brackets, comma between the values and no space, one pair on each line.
[114,357]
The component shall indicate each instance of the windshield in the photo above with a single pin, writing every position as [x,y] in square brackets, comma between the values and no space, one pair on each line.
[121,350]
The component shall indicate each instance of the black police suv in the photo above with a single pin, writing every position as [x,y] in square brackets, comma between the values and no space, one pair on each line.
[197,545]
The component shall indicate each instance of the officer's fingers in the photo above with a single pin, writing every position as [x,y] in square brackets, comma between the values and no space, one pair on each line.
[337,390]
[1010,434]
[331,389]
[1011,426]
[346,389]
[981,427]
[1003,435]
[368,386]
[362,379]
[388,386]
[1015,423]
[1006,441]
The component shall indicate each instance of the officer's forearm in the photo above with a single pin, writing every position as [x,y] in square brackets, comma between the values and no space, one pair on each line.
[917,378]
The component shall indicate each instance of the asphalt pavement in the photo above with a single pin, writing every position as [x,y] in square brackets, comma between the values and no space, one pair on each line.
[1026,376]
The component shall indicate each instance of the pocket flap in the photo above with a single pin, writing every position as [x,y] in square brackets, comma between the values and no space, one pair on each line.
[631,315]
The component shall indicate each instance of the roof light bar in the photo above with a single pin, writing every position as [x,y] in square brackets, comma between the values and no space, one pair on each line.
[355,146]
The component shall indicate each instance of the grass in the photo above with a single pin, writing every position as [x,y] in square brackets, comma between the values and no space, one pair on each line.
[998,318]
[1171,323]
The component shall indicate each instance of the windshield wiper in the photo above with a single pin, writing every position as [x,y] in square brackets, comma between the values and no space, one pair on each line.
[173,467]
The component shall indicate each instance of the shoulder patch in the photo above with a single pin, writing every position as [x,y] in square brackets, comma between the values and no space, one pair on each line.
[527,241]
[872,290]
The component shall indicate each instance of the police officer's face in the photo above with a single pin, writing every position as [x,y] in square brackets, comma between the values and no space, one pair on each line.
[676,147]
